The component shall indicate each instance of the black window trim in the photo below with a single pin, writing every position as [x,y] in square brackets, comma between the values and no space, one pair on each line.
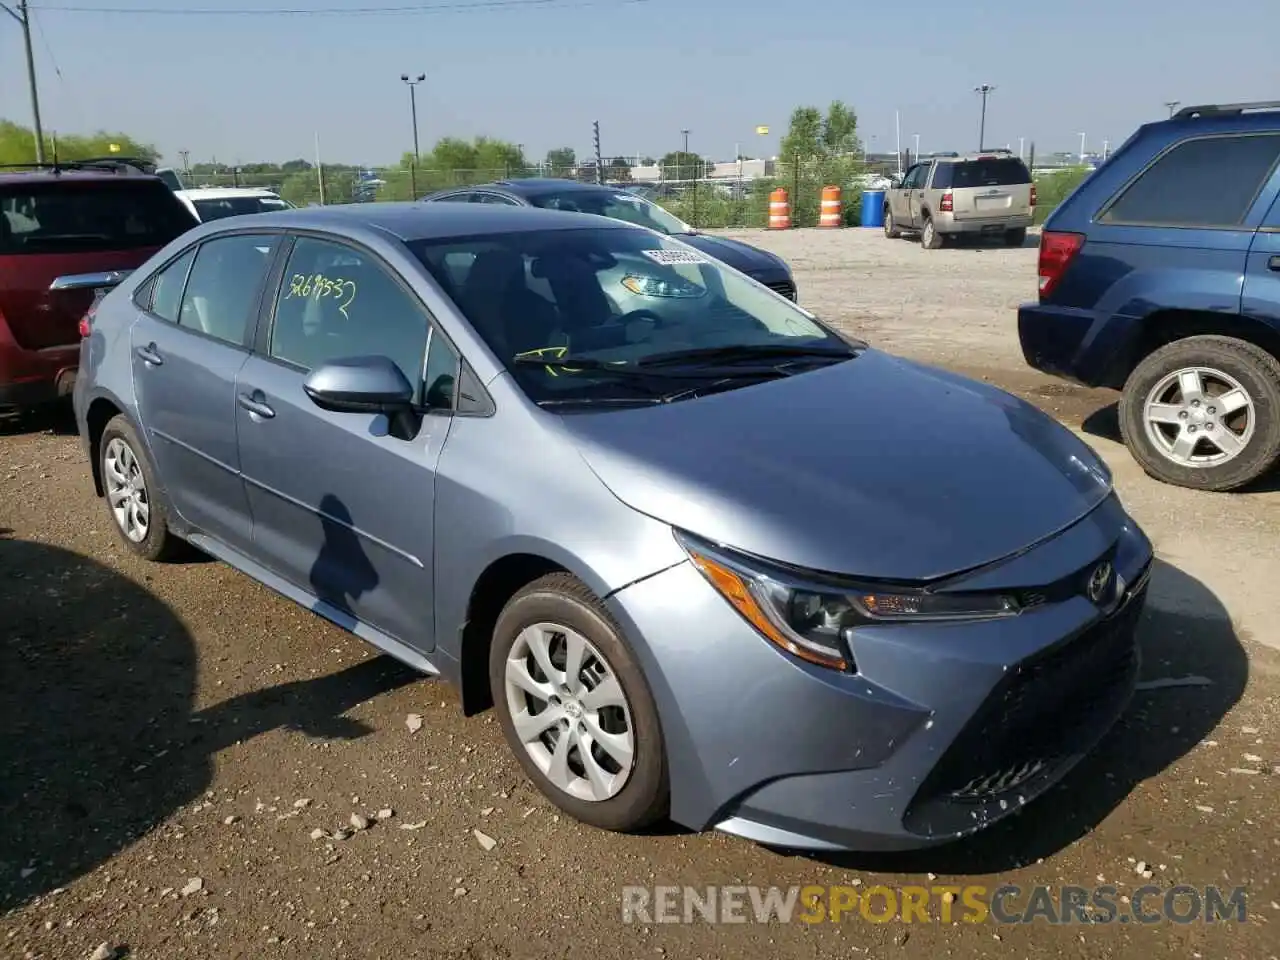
[506,198]
[250,328]
[1238,227]
[261,342]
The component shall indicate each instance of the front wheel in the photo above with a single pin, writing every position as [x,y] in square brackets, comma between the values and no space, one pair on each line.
[575,707]
[890,225]
[1204,412]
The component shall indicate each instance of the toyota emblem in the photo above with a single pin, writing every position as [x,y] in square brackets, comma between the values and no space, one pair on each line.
[1099,580]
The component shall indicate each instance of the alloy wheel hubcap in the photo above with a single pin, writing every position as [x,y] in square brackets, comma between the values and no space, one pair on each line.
[570,712]
[126,490]
[1199,417]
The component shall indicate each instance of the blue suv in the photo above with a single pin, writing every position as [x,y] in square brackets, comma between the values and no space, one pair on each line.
[1160,277]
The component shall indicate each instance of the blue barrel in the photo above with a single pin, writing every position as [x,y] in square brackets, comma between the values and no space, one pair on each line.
[873,208]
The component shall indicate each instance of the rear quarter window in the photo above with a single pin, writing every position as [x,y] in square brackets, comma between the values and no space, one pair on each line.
[1206,182]
[72,216]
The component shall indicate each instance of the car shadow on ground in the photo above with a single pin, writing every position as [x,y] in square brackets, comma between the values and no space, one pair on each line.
[1104,423]
[100,739]
[1185,633]
[56,418]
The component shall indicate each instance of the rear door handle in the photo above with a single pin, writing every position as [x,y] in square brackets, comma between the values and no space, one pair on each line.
[254,403]
[150,355]
[1274,264]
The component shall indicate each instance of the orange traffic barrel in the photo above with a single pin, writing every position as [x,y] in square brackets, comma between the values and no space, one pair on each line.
[830,215]
[779,210]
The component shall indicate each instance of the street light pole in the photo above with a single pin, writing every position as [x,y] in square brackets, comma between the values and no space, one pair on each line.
[917,155]
[684,154]
[1082,149]
[23,16]
[413,113]
[985,91]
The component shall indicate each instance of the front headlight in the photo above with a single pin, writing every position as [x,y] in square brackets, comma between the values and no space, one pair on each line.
[814,620]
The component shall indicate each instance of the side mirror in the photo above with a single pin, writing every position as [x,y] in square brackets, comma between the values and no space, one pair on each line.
[360,385]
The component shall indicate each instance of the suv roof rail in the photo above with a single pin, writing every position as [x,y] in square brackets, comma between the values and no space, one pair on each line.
[1225,109]
[111,164]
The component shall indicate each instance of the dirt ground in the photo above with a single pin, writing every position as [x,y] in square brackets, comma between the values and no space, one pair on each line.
[171,736]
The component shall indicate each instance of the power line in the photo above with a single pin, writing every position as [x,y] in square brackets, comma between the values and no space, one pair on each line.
[417,9]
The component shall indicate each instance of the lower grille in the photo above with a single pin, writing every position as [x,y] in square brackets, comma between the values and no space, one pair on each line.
[1047,713]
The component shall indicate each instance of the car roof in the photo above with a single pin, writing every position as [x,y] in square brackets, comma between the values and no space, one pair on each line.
[213,193]
[410,220]
[530,185]
[36,175]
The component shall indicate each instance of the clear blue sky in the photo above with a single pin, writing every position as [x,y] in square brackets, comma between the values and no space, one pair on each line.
[242,87]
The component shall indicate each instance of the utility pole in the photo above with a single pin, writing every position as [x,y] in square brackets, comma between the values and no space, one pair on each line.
[684,154]
[595,134]
[1172,105]
[1082,149]
[985,91]
[413,113]
[186,162]
[23,16]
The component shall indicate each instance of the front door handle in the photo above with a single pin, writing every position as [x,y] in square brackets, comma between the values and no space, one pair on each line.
[256,405]
[150,355]
[1274,264]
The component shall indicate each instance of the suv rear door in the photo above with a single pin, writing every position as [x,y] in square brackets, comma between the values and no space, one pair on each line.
[987,187]
[74,224]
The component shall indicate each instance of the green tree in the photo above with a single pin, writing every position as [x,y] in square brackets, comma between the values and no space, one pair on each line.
[803,140]
[618,170]
[561,161]
[18,145]
[684,166]
[840,130]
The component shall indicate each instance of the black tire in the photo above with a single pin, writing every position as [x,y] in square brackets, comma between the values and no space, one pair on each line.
[930,238]
[160,543]
[1257,371]
[562,599]
[890,225]
[1015,238]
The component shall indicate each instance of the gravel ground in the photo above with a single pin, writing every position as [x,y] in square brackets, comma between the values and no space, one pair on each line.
[171,736]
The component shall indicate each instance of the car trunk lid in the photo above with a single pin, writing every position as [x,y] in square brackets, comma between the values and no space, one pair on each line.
[989,187]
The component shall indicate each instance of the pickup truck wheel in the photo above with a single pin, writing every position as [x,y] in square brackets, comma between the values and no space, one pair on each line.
[930,239]
[1204,413]
[890,225]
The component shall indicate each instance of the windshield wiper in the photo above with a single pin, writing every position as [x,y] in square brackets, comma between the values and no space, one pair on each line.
[749,352]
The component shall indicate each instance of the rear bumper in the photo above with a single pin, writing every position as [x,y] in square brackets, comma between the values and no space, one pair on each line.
[33,377]
[1075,344]
[947,223]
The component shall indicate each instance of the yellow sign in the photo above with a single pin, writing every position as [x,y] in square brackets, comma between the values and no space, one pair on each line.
[762,130]
[113,147]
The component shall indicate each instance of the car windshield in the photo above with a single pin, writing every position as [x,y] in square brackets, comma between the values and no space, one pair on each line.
[617,204]
[78,215]
[588,314]
[218,207]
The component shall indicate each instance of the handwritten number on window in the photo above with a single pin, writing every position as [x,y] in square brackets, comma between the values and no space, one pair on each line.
[320,287]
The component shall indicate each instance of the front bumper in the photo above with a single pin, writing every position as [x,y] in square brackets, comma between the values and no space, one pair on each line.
[943,730]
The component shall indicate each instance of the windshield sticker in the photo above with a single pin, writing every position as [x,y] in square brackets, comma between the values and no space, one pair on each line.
[551,353]
[318,286]
[671,257]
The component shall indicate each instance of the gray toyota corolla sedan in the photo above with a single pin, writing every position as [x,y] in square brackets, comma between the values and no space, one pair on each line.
[706,557]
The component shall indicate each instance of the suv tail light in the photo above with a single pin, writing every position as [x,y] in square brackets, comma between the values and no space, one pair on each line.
[1033,194]
[946,204]
[1057,250]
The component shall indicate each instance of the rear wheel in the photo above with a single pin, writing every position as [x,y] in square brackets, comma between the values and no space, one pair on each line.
[1204,412]
[575,707]
[138,515]
[930,238]
[890,225]
[1015,238]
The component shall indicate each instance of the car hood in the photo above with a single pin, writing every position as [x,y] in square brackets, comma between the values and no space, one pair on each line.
[876,467]
[741,256]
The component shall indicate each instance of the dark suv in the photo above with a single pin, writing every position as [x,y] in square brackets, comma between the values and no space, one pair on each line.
[68,231]
[1160,277]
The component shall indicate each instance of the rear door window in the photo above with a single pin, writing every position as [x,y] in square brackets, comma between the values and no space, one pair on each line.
[85,215]
[1206,182]
[221,294]
[993,172]
[166,288]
